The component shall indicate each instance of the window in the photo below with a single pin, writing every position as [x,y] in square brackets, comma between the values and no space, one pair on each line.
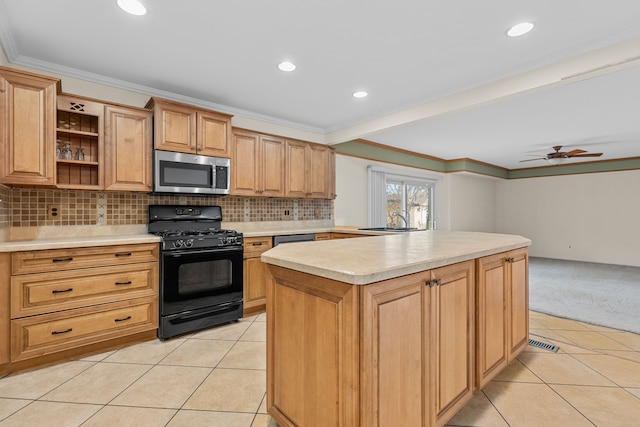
[401,199]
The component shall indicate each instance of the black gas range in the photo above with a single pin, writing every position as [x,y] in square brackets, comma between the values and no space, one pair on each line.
[201,275]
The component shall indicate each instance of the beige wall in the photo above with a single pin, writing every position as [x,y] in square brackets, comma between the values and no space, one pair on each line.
[597,214]
[473,202]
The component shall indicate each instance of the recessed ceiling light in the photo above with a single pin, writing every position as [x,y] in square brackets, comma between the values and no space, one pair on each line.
[133,7]
[360,94]
[520,29]
[286,66]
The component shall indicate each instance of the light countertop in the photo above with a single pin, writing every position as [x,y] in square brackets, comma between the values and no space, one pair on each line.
[371,259]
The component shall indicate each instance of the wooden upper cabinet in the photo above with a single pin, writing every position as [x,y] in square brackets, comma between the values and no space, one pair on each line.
[309,170]
[187,129]
[27,128]
[128,149]
[258,164]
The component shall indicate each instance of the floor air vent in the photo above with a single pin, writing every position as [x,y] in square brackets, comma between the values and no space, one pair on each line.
[543,345]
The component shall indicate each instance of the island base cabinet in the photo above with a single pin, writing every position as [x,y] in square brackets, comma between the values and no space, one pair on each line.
[502,311]
[312,348]
[395,352]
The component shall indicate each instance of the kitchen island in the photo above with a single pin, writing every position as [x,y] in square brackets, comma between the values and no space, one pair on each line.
[391,330]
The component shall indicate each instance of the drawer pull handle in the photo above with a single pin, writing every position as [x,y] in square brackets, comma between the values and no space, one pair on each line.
[55,291]
[123,283]
[257,244]
[123,319]
[62,259]
[123,254]
[61,332]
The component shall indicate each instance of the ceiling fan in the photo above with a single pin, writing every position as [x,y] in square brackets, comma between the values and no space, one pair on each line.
[558,156]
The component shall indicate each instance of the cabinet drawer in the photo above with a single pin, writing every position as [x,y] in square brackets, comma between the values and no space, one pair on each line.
[64,259]
[40,335]
[253,246]
[41,293]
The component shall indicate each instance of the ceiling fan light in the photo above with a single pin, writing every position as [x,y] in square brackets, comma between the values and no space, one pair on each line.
[557,160]
[134,7]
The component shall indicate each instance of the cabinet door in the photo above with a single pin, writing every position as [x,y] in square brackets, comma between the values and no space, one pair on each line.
[452,339]
[255,276]
[318,171]
[128,147]
[395,351]
[331,175]
[295,176]
[272,166]
[517,262]
[174,127]
[5,309]
[492,322]
[213,134]
[245,166]
[27,128]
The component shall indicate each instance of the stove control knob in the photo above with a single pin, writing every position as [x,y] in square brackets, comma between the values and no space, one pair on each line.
[188,243]
[178,243]
[223,241]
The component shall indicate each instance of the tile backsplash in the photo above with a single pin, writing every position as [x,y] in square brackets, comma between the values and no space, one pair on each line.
[28,207]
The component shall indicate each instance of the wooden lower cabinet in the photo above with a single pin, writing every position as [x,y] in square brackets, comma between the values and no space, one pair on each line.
[502,311]
[63,303]
[410,362]
[255,273]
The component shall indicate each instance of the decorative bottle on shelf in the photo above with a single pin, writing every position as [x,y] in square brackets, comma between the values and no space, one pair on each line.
[66,153]
[58,150]
[80,154]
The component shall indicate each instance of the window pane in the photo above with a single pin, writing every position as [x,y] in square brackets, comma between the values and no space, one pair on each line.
[394,203]
[419,205]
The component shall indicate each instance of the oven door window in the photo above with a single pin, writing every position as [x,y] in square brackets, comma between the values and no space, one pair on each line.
[175,174]
[198,279]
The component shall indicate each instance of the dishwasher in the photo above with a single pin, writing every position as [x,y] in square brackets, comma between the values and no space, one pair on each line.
[292,238]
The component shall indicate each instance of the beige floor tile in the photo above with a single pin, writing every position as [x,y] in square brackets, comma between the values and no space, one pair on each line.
[634,391]
[623,372]
[262,317]
[148,352]
[596,404]
[560,323]
[629,355]
[185,418]
[256,332]
[194,352]
[163,387]
[627,338]
[98,384]
[557,368]
[535,324]
[9,406]
[546,335]
[51,414]
[263,405]
[533,405]
[250,318]
[33,384]
[479,412]
[230,331]
[246,355]
[233,390]
[593,340]
[597,328]
[263,420]
[126,416]
[98,357]
[516,371]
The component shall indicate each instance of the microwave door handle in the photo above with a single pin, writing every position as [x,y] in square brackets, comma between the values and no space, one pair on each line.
[213,176]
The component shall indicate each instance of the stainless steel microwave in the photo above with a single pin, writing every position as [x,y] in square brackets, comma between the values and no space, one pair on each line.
[190,173]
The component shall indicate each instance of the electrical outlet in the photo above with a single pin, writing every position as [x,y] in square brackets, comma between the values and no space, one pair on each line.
[53,212]
[569,246]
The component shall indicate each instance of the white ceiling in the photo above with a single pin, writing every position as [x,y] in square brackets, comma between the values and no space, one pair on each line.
[443,78]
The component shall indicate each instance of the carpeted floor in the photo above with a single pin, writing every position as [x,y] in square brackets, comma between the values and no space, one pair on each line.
[600,294]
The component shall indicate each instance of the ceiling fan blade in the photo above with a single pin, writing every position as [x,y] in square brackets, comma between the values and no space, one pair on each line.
[587,155]
[529,160]
[573,152]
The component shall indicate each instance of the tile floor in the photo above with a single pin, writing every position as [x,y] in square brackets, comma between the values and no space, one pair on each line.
[217,378]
